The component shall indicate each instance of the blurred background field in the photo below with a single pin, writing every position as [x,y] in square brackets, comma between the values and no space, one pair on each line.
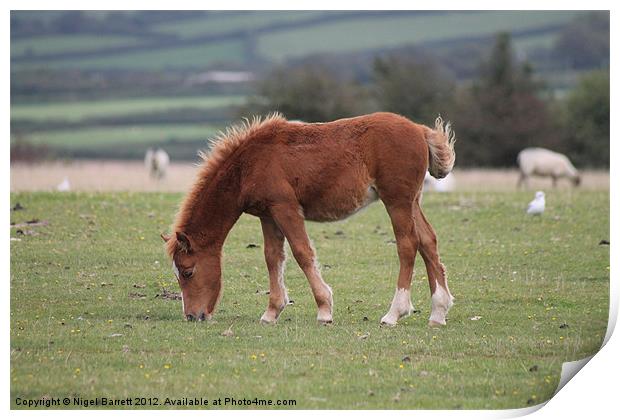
[122,175]
[109,84]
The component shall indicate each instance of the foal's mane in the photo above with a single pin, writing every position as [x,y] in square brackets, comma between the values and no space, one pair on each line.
[223,145]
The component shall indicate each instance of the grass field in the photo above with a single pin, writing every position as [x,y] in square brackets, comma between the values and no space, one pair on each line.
[86,318]
[96,137]
[69,43]
[192,57]
[217,23]
[368,33]
[100,127]
[80,110]
[52,97]
[348,32]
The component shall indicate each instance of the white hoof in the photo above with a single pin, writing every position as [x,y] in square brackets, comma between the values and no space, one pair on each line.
[400,308]
[268,319]
[441,302]
[324,317]
[389,319]
[436,324]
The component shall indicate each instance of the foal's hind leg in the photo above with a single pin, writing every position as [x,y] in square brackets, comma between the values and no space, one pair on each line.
[407,244]
[275,258]
[441,299]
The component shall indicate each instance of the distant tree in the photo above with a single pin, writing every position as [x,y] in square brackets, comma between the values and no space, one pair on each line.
[308,93]
[501,113]
[587,120]
[584,43]
[413,86]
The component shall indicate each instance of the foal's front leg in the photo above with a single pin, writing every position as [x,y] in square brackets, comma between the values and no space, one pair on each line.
[290,221]
[275,258]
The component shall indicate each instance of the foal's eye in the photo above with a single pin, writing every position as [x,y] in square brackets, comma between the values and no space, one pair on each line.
[188,273]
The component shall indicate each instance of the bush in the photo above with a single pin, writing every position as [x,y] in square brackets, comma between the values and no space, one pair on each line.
[501,113]
[587,120]
[412,86]
[309,94]
[23,150]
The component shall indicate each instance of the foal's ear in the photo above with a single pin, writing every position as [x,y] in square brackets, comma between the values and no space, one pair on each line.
[165,237]
[183,242]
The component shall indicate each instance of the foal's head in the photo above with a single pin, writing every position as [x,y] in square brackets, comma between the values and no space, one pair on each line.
[199,276]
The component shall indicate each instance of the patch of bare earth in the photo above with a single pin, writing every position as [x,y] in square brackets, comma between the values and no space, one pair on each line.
[100,175]
[506,179]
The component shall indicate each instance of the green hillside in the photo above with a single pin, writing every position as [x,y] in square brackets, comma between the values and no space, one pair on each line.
[222,22]
[80,110]
[68,43]
[107,136]
[371,33]
[99,83]
[191,57]
[228,38]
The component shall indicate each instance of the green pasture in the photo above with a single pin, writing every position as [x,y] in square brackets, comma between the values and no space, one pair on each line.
[88,316]
[120,128]
[348,33]
[95,137]
[368,33]
[69,43]
[47,15]
[82,110]
[191,57]
[225,22]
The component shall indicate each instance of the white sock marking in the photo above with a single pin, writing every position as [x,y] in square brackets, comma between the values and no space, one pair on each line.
[401,307]
[441,301]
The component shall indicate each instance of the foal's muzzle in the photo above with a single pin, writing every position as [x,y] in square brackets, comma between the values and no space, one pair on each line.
[191,317]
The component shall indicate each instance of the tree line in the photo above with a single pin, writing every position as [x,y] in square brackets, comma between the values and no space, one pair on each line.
[502,110]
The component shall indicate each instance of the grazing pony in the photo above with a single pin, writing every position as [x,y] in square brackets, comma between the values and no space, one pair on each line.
[285,173]
[156,162]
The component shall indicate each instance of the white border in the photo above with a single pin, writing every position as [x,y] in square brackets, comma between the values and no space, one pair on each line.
[591,393]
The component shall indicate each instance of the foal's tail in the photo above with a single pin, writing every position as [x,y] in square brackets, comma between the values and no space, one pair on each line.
[440,148]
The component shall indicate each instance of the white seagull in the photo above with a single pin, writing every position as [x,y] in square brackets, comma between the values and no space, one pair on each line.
[537,205]
[65,185]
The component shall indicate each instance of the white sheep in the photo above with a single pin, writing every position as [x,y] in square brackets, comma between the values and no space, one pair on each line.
[543,162]
[445,184]
[156,162]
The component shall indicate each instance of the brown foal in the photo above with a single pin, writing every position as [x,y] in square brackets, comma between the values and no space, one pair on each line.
[287,172]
